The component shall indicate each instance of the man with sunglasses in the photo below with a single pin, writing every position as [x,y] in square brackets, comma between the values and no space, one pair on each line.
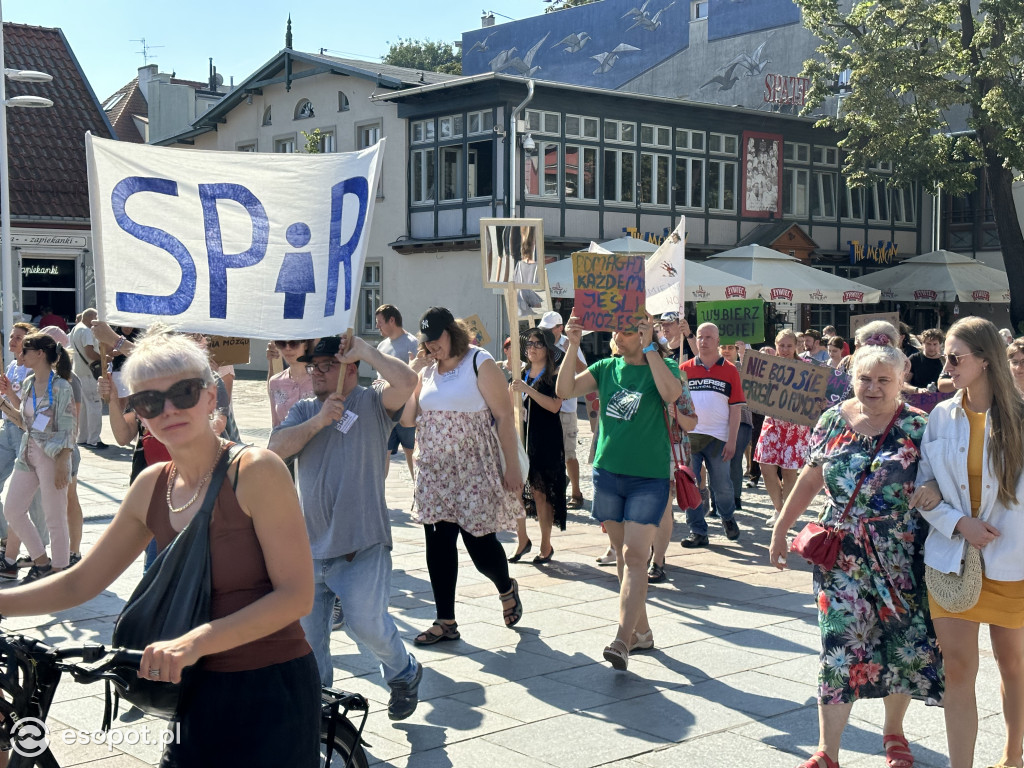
[401,344]
[339,438]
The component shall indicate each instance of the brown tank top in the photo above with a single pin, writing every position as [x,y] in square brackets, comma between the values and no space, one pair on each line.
[238,574]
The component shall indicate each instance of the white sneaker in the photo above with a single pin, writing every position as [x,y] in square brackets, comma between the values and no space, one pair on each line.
[771,521]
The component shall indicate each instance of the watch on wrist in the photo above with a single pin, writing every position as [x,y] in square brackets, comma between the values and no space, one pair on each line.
[652,347]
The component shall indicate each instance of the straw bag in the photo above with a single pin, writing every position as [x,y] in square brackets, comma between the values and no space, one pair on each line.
[957,592]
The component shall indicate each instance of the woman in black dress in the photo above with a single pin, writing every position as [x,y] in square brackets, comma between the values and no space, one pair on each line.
[543,429]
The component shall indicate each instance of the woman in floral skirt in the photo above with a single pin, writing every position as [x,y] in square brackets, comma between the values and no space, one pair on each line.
[876,637]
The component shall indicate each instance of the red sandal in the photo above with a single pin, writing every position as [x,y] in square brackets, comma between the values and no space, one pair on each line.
[819,760]
[897,751]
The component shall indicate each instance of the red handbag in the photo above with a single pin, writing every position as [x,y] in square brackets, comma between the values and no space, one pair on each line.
[687,490]
[818,544]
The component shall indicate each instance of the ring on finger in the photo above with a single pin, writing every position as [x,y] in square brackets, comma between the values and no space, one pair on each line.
[154,672]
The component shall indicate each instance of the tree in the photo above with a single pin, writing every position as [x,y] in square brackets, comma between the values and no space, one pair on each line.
[558,5]
[314,141]
[937,90]
[429,56]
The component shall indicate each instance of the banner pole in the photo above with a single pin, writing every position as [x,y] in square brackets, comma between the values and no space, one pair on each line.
[512,309]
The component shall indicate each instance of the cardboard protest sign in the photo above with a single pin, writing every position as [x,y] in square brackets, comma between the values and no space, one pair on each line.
[784,389]
[839,383]
[478,334]
[858,321]
[736,320]
[228,350]
[231,243]
[609,290]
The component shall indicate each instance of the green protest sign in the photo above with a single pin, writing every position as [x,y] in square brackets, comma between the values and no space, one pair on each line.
[736,320]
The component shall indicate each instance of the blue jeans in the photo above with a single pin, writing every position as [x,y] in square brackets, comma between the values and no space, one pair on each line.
[364,588]
[719,481]
[10,444]
[736,465]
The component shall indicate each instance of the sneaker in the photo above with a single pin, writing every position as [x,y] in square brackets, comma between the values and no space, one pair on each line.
[738,503]
[608,558]
[751,482]
[655,573]
[99,445]
[8,570]
[732,530]
[24,562]
[337,615]
[694,540]
[405,696]
[75,557]
[37,572]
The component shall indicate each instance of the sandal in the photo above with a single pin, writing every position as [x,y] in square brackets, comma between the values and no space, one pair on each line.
[897,751]
[513,613]
[819,760]
[617,654]
[642,641]
[448,632]
[574,502]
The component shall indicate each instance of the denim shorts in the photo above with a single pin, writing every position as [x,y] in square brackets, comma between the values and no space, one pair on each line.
[625,498]
[404,436]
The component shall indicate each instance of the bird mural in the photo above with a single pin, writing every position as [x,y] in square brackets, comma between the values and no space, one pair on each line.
[650,23]
[501,61]
[524,66]
[638,13]
[727,79]
[573,43]
[606,60]
[481,45]
[752,63]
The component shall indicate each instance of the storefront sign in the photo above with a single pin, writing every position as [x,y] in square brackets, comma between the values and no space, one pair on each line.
[47,273]
[58,241]
[736,320]
[884,253]
[786,89]
[785,389]
[609,291]
[647,237]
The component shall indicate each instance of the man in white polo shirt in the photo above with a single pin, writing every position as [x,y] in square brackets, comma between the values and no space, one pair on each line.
[570,426]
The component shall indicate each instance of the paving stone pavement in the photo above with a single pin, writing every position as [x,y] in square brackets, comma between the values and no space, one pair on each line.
[732,678]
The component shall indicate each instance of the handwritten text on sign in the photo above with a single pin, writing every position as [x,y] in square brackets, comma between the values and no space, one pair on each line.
[610,291]
[230,243]
[785,389]
[736,320]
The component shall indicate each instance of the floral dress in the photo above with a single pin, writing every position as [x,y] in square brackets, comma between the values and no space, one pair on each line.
[876,635]
[782,443]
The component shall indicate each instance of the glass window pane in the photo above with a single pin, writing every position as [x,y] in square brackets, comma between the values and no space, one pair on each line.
[611,170]
[572,125]
[590,127]
[729,192]
[682,138]
[696,184]
[550,170]
[661,198]
[589,171]
[646,134]
[714,183]
[697,140]
[551,122]
[611,130]
[628,132]
[646,177]
[628,181]
[572,169]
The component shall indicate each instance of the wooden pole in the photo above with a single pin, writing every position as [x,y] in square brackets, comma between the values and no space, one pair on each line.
[512,310]
[346,344]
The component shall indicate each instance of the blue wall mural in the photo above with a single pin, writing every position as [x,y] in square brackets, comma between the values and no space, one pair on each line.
[605,44]
[728,18]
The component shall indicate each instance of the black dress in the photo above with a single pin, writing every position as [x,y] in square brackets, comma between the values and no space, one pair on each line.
[546,451]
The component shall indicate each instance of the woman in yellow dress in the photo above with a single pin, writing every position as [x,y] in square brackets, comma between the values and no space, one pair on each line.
[971,485]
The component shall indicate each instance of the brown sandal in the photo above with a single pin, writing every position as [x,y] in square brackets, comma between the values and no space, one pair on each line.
[513,613]
[617,654]
[448,632]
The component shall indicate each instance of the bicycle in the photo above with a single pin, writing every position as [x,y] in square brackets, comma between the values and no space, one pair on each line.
[31,670]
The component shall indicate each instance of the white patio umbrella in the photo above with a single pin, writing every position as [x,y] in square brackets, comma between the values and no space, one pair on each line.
[784,278]
[941,276]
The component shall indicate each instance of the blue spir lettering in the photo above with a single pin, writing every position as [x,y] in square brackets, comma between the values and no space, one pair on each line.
[219,261]
[296,277]
[142,303]
[340,254]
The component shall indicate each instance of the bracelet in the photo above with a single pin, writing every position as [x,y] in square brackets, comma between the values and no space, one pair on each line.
[120,340]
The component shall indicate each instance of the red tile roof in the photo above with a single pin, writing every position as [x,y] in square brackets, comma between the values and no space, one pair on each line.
[122,114]
[47,146]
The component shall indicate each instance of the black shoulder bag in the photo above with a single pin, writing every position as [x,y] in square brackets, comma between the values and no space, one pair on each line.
[172,598]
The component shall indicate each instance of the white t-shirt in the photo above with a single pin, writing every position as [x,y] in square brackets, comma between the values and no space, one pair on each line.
[80,338]
[456,390]
[569,404]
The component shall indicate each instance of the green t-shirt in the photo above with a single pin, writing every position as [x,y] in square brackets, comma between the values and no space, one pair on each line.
[633,439]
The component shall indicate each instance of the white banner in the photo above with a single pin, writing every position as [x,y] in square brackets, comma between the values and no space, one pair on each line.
[665,273]
[230,243]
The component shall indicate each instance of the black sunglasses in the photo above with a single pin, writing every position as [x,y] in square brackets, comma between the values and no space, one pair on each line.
[183,395]
[954,360]
[535,345]
[283,344]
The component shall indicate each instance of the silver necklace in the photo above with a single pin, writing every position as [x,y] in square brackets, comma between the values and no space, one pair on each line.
[199,488]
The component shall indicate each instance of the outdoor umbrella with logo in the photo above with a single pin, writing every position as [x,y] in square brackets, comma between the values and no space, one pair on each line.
[941,276]
[784,278]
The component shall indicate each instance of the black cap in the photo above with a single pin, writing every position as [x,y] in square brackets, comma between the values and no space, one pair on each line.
[434,322]
[328,346]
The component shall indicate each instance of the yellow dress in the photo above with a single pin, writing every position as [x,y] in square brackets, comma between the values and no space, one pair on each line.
[1001,602]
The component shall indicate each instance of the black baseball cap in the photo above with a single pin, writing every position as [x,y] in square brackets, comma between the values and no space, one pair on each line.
[434,322]
[328,346]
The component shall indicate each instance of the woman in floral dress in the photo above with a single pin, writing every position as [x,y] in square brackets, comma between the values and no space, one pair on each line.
[876,637]
[782,446]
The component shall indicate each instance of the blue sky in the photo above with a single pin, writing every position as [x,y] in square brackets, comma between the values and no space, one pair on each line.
[242,35]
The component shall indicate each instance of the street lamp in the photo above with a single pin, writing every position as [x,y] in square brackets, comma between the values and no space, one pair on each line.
[22,76]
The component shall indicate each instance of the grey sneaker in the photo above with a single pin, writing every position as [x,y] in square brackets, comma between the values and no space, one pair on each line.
[337,615]
[405,696]
[37,572]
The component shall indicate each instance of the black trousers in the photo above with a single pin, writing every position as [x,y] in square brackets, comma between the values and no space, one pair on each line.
[443,562]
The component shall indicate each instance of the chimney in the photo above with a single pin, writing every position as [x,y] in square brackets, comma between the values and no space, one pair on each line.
[288,33]
[487,19]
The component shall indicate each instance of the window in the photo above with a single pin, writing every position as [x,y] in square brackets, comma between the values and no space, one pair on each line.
[823,195]
[480,169]
[577,127]
[112,101]
[852,203]
[794,191]
[689,140]
[422,130]
[367,135]
[249,146]
[580,172]
[326,143]
[796,153]
[450,127]
[722,144]
[304,109]
[480,122]
[825,156]
[619,131]
[619,175]
[698,10]
[877,198]
[342,102]
[284,145]
[266,116]
[721,185]
[370,296]
[542,122]
[656,136]
[541,169]
[904,208]
[451,173]
[689,184]
[654,178]
[882,167]
[423,176]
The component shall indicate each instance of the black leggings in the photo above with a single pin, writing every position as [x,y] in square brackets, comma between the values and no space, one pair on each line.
[443,562]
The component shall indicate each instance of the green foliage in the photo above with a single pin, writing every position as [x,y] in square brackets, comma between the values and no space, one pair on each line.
[558,5]
[314,141]
[427,55]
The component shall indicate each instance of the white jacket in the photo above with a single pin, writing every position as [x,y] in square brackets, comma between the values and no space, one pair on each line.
[944,459]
